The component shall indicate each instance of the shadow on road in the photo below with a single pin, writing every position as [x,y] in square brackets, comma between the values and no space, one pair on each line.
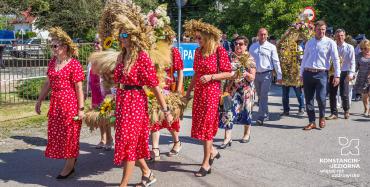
[166,166]
[281,126]
[29,166]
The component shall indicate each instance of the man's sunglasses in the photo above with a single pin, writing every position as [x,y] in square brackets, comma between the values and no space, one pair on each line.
[239,44]
[123,35]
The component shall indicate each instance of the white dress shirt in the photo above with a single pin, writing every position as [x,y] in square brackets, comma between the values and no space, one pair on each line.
[347,53]
[317,55]
[266,57]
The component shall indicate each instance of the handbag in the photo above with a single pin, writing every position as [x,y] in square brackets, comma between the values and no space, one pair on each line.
[225,103]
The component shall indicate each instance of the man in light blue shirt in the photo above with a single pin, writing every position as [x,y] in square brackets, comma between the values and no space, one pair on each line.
[266,58]
[348,67]
[314,72]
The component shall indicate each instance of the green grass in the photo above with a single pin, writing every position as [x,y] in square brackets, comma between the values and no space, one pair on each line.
[21,116]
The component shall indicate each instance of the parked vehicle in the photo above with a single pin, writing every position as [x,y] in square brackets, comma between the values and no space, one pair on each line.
[6,40]
[28,48]
[8,45]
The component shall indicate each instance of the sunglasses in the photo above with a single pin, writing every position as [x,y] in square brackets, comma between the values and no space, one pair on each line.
[363,49]
[198,37]
[123,35]
[55,46]
[239,44]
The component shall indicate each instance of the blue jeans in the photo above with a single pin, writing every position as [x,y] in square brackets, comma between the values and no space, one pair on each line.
[298,94]
[315,83]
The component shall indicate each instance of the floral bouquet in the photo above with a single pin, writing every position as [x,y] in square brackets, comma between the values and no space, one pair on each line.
[106,109]
[173,101]
[158,19]
[103,115]
[241,64]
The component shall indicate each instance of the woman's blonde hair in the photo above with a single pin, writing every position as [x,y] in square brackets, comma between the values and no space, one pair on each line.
[127,17]
[365,44]
[210,44]
[57,34]
[209,33]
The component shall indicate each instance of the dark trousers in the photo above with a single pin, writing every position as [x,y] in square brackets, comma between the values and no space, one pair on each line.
[315,83]
[343,91]
[298,94]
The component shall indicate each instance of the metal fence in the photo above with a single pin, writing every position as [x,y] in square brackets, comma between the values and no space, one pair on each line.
[24,70]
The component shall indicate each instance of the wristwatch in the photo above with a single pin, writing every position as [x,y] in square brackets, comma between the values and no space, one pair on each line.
[82,108]
[213,77]
[165,110]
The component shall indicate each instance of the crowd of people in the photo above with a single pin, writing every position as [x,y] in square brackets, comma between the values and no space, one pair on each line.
[226,77]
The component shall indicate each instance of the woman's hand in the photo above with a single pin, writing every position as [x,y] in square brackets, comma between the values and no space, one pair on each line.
[206,78]
[38,107]
[168,116]
[81,115]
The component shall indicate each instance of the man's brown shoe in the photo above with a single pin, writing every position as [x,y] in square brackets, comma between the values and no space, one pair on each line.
[346,115]
[332,117]
[322,123]
[310,126]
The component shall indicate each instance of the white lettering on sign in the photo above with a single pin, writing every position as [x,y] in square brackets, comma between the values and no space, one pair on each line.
[188,54]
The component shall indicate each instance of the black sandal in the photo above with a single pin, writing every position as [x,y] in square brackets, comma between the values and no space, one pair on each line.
[202,172]
[218,156]
[147,181]
[156,157]
[69,174]
[173,152]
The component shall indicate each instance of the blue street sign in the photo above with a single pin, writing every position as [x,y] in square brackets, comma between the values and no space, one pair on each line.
[187,51]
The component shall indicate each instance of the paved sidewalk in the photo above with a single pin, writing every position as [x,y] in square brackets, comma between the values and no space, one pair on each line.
[280,154]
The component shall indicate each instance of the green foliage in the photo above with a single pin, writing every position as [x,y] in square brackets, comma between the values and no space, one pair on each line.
[187,81]
[351,15]
[80,17]
[90,35]
[75,17]
[247,16]
[30,89]
[147,5]
[84,52]
[4,23]
[16,6]
[26,36]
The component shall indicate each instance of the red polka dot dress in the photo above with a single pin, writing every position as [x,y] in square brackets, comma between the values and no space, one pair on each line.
[132,119]
[207,96]
[63,131]
[177,64]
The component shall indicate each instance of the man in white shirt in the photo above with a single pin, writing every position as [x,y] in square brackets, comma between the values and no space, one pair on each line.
[266,58]
[314,72]
[348,67]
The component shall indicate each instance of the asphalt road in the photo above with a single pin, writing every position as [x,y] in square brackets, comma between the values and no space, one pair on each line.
[280,154]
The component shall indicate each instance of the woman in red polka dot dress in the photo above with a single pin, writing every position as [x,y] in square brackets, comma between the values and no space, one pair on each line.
[208,73]
[174,127]
[64,78]
[132,119]
[134,70]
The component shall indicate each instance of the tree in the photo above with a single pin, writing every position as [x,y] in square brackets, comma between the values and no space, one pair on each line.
[76,17]
[247,16]
[17,6]
[352,15]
